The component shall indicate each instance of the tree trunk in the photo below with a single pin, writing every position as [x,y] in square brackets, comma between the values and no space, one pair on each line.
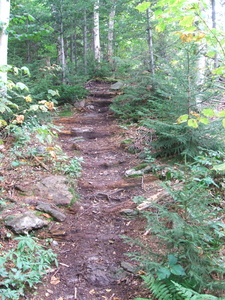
[4,21]
[213,3]
[97,51]
[62,57]
[111,32]
[150,42]
[85,41]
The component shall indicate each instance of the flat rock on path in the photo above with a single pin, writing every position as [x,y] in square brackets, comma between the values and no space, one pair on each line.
[92,260]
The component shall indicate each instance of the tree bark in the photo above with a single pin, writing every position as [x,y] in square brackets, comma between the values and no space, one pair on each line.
[85,41]
[150,42]
[4,21]
[213,4]
[97,49]
[111,32]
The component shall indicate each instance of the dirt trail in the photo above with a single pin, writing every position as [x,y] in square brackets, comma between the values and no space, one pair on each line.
[91,251]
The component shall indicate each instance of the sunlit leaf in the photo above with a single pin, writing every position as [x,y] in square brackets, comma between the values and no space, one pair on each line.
[182,119]
[221,114]
[143,6]
[211,54]
[187,37]
[193,123]
[223,122]
[208,112]
[219,71]
[187,21]
[204,120]
[21,86]
[220,167]
[160,27]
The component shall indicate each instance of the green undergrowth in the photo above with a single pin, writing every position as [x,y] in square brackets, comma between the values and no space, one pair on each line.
[183,254]
[23,266]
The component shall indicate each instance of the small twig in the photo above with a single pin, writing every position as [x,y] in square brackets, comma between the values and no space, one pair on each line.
[41,163]
[112,297]
[75,293]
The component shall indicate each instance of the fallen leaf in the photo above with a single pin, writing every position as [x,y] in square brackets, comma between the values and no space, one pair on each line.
[54,280]
[108,290]
[46,215]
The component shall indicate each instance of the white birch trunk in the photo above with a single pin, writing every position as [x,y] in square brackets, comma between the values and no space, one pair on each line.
[97,50]
[150,42]
[62,55]
[85,41]
[4,22]
[111,32]
[213,3]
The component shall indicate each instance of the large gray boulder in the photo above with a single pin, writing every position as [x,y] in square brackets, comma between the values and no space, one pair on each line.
[25,222]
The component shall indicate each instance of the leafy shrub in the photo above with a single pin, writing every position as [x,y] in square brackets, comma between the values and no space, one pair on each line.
[188,229]
[23,267]
[71,94]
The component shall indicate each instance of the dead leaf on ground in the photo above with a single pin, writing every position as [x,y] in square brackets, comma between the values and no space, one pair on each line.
[55,280]
[46,215]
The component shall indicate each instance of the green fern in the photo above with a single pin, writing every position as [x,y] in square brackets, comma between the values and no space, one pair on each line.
[162,289]
[170,290]
[189,294]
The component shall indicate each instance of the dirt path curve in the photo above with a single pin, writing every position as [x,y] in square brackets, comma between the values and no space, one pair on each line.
[91,255]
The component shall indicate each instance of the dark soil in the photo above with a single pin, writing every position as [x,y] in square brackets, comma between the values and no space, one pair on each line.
[91,251]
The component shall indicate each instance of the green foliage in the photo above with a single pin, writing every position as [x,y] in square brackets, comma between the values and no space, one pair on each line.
[98,70]
[71,167]
[188,229]
[70,93]
[23,267]
[170,290]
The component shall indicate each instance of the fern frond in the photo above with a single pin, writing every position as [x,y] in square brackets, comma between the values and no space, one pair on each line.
[162,289]
[189,294]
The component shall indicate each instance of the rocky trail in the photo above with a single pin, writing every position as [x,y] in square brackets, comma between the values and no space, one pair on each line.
[88,235]
[92,253]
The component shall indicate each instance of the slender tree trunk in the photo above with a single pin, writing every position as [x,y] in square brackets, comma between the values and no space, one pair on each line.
[150,42]
[213,3]
[62,56]
[85,41]
[111,32]
[97,50]
[4,21]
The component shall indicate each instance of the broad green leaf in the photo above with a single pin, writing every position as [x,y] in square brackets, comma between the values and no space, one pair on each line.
[172,260]
[25,70]
[160,27]
[163,273]
[2,123]
[143,6]
[21,86]
[219,71]
[187,21]
[223,122]
[208,112]
[204,120]
[158,12]
[220,167]
[182,119]
[178,270]
[193,123]
[221,114]
[34,107]
[211,53]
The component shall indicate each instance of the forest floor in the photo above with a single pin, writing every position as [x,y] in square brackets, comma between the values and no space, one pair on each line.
[91,250]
